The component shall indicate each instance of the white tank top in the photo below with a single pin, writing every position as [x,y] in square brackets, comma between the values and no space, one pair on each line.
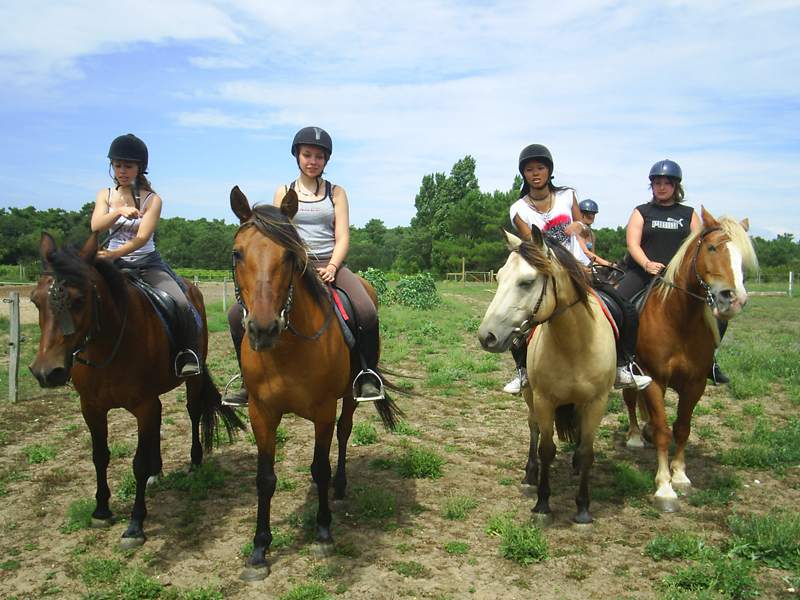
[124,230]
[315,223]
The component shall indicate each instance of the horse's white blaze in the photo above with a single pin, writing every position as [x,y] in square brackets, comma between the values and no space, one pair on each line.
[738,274]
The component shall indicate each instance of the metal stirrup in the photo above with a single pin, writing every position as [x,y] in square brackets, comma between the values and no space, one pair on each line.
[381,395]
[190,352]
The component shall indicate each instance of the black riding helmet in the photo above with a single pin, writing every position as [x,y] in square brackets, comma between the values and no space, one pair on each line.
[313,136]
[588,206]
[129,147]
[538,152]
[666,168]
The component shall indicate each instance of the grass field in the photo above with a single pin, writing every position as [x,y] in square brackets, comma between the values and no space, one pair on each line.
[434,510]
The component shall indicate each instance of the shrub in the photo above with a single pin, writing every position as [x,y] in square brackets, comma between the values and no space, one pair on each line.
[418,291]
[377,279]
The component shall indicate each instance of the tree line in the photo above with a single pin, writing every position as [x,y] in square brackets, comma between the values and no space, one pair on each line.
[454,219]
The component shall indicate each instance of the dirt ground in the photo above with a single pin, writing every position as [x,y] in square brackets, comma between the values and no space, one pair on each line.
[482,435]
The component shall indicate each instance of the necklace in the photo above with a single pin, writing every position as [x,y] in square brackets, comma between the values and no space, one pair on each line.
[531,201]
[304,191]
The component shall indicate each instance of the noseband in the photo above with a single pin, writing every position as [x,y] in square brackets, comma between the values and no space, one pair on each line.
[708,298]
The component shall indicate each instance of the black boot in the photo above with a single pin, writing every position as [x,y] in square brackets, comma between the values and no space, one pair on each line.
[367,385]
[716,375]
[236,397]
[187,361]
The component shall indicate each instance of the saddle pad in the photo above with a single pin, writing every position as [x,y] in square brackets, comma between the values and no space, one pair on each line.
[343,308]
[610,310]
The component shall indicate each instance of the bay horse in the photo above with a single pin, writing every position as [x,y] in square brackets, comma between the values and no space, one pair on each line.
[294,360]
[571,357]
[104,335]
[678,334]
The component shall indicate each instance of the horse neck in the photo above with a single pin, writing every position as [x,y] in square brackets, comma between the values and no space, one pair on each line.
[573,313]
[306,314]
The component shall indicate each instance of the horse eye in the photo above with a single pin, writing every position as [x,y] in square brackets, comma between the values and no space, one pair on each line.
[712,248]
[237,255]
[526,283]
[78,301]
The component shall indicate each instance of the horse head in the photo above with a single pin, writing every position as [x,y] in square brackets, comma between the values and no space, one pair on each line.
[267,251]
[521,295]
[66,300]
[722,253]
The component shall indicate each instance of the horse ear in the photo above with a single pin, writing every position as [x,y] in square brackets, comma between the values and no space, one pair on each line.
[289,204]
[89,250]
[512,241]
[745,223]
[536,236]
[47,245]
[708,219]
[239,205]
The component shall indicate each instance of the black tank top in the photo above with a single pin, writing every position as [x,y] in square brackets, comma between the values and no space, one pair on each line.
[664,229]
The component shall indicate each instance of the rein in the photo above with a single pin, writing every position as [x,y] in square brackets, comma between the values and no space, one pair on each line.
[60,303]
[709,297]
[283,318]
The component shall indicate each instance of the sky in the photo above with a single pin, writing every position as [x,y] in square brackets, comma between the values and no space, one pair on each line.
[217,90]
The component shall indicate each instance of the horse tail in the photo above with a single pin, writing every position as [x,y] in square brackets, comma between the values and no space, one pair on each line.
[389,412]
[213,410]
[567,425]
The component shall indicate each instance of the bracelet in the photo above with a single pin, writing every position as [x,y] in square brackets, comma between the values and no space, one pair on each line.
[335,268]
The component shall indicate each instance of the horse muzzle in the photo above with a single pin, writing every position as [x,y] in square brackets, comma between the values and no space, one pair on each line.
[494,342]
[263,336]
[49,375]
[727,303]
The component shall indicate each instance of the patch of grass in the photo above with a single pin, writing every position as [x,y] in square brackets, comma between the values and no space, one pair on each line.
[410,568]
[373,503]
[120,450]
[456,508]
[773,539]
[126,490]
[753,409]
[197,483]
[456,547]
[136,585]
[706,432]
[384,464]
[507,481]
[678,544]
[326,571]
[721,490]
[718,578]
[10,565]
[100,570]
[767,447]
[286,485]
[79,515]
[627,482]
[523,544]
[419,463]
[364,434]
[307,591]
[39,453]
[405,428]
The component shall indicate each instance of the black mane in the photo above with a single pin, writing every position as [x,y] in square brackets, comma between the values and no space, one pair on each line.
[69,266]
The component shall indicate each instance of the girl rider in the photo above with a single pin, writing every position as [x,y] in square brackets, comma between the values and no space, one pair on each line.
[131,210]
[323,222]
[588,209]
[555,211]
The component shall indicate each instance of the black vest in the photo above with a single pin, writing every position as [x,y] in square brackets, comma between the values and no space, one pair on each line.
[664,229]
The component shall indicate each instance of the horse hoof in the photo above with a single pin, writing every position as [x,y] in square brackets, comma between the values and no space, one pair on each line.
[129,543]
[682,487]
[152,480]
[582,527]
[635,443]
[338,503]
[666,505]
[258,573]
[101,523]
[543,519]
[322,549]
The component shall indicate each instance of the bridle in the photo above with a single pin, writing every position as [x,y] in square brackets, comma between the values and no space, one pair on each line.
[283,316]
[60,304]
[708,298]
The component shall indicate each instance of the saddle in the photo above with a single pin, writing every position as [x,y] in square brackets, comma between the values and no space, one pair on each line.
[164,305]
[611,310]
[345,314]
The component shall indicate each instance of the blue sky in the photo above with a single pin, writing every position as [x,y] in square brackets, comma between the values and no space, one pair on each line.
[217,90]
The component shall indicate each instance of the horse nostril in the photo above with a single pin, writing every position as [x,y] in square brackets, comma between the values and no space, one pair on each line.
[489,340]
[727,295]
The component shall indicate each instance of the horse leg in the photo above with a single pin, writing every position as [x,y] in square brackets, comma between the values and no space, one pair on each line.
[264,428]
[591,415]
[343,428]
[321,471]
[635,439]
[146,462]
[665,497]
[680,431]
[532,466]
[97,421]
[547,452]
[194,406]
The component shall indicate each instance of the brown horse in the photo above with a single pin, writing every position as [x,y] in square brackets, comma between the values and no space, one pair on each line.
[295,359]
[89,315]
[678,335]
[571,357]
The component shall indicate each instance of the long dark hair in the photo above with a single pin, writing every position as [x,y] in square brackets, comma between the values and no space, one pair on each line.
[140,183]
[526,188]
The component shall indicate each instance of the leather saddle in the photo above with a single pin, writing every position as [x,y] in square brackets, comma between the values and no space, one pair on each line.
[164,305]
[345,314]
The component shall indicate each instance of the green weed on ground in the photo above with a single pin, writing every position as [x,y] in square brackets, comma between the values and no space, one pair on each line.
[720,491]
[767,447]
[419,463]
[678,544]
[456,507]
[307,591]
[718,578]
[523,544]
[39,453]
[364,434]
[773,539]
[79,515]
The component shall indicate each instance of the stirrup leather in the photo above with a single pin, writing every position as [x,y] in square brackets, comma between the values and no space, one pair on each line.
[364,372]
[191,353]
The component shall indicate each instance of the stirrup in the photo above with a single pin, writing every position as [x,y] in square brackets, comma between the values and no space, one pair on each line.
[226,395]
[189,372]
[364,372]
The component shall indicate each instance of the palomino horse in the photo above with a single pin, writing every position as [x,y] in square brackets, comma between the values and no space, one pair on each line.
[678,335]
[295,359]
[89,315]
[571,356]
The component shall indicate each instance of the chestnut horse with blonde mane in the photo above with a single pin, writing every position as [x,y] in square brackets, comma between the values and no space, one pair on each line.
[571,356]
[294,359]
[104,335]
[678,335]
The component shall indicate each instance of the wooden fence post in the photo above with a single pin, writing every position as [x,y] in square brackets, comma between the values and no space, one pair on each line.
[464,270]
[13,346]
[791,280]
[225,295]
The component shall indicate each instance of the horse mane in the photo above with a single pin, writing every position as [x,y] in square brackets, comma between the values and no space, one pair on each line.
[733,230]
[536,257]
[271,222]
[68,265]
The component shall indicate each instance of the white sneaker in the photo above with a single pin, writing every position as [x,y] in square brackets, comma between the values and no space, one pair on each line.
[515,385]
[626,378]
